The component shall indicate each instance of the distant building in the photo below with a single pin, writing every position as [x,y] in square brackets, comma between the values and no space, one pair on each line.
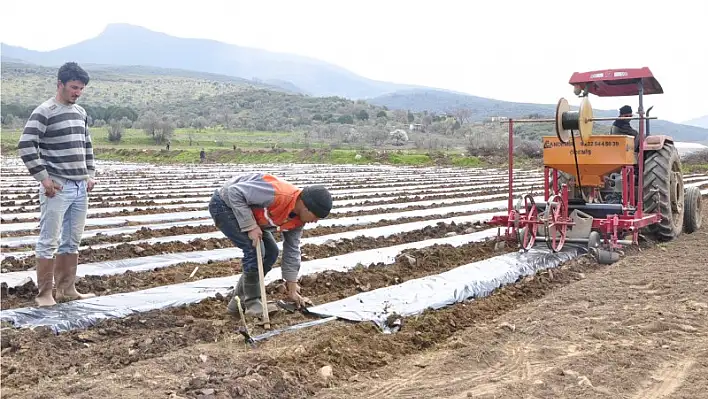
[416,127]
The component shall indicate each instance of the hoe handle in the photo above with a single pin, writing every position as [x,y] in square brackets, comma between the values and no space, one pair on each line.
[261,280]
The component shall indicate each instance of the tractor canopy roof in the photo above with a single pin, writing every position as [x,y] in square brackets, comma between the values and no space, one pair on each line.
[617,82]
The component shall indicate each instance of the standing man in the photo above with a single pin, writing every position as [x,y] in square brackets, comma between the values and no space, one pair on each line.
[56,149]
[245,209]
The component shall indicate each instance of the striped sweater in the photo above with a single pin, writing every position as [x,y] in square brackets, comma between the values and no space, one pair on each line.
[56,141]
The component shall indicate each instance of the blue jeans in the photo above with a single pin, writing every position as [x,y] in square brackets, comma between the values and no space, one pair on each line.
[62,218]
[225,220]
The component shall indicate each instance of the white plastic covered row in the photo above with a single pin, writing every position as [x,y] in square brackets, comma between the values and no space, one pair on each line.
[14,279]
[372,232]
[176,216]
[84,313]
[203,202]
[473,280]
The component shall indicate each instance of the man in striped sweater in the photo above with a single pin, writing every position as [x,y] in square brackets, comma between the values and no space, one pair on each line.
[56,149]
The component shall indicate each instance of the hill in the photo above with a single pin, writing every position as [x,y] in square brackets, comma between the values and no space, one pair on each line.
[123,44]
[183,96]
[701,121]
[478,109]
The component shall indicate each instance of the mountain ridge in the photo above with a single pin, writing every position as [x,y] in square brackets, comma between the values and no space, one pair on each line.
[701,121]
[116,47]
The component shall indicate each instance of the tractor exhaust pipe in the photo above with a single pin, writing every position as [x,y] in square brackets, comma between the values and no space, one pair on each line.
[647,125]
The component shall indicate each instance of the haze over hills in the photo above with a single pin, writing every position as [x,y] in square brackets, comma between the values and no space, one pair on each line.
[418,100]
[701,121]
[123,44]
[122,48]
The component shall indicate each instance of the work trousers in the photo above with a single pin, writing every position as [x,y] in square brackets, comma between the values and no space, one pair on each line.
[225,220]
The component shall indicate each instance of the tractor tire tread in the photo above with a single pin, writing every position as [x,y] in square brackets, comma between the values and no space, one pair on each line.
[692,217]
[657,173]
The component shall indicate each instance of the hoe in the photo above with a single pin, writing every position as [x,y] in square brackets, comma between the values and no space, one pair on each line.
[597,189]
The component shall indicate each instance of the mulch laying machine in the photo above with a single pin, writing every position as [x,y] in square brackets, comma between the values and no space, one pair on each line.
[597,189]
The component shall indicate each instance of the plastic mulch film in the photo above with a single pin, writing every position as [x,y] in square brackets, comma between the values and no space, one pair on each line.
[384,231]
[176,216]
[118,266]
[345,221]
[5,227]
[32,239]
[86,312]
[474,280]
[342,206]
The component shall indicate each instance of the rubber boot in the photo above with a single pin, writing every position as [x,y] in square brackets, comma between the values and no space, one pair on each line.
[66,265]
[232,307]
[45,282]
[252,297]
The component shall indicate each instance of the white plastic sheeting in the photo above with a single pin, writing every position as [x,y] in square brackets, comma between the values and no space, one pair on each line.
[473,280]
[84,313]
[176,216]
[372,232]
[14,279]
[358,198]
[339,206]
[32,239]
[346,221]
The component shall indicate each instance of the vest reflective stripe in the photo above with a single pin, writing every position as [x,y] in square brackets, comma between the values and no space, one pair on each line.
[267,216]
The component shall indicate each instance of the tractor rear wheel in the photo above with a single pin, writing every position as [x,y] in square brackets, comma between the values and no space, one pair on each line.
[692,212]
[663,191]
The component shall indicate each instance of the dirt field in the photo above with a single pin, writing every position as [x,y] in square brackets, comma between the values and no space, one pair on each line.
[634,329]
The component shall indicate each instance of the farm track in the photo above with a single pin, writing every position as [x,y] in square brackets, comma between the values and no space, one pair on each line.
[194,351]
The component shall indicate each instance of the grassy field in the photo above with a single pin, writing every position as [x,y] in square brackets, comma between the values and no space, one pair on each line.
[207,138]
[282,147]
[251,147]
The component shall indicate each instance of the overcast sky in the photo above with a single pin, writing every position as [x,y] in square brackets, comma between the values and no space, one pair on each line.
[516,50]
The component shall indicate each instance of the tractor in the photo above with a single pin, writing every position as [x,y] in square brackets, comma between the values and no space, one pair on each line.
[599,189]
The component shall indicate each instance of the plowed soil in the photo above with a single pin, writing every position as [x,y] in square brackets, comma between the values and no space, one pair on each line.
[124,251]
[117,343]
[158,210]
[146,232]
[134,281]
[371,199]
[634,329]
[123,212]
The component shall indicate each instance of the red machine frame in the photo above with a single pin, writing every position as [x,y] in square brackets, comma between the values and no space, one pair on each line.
[603,83]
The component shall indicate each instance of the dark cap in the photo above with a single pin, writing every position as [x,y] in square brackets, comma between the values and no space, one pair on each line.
[625,110]
[317,199]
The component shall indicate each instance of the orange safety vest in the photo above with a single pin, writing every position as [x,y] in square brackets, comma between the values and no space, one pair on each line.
[277,214]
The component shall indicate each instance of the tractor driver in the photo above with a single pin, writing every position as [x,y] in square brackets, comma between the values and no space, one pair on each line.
[623,127]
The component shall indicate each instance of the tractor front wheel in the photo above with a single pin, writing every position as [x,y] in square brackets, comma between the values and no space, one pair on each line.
[692,212]
[663,191]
